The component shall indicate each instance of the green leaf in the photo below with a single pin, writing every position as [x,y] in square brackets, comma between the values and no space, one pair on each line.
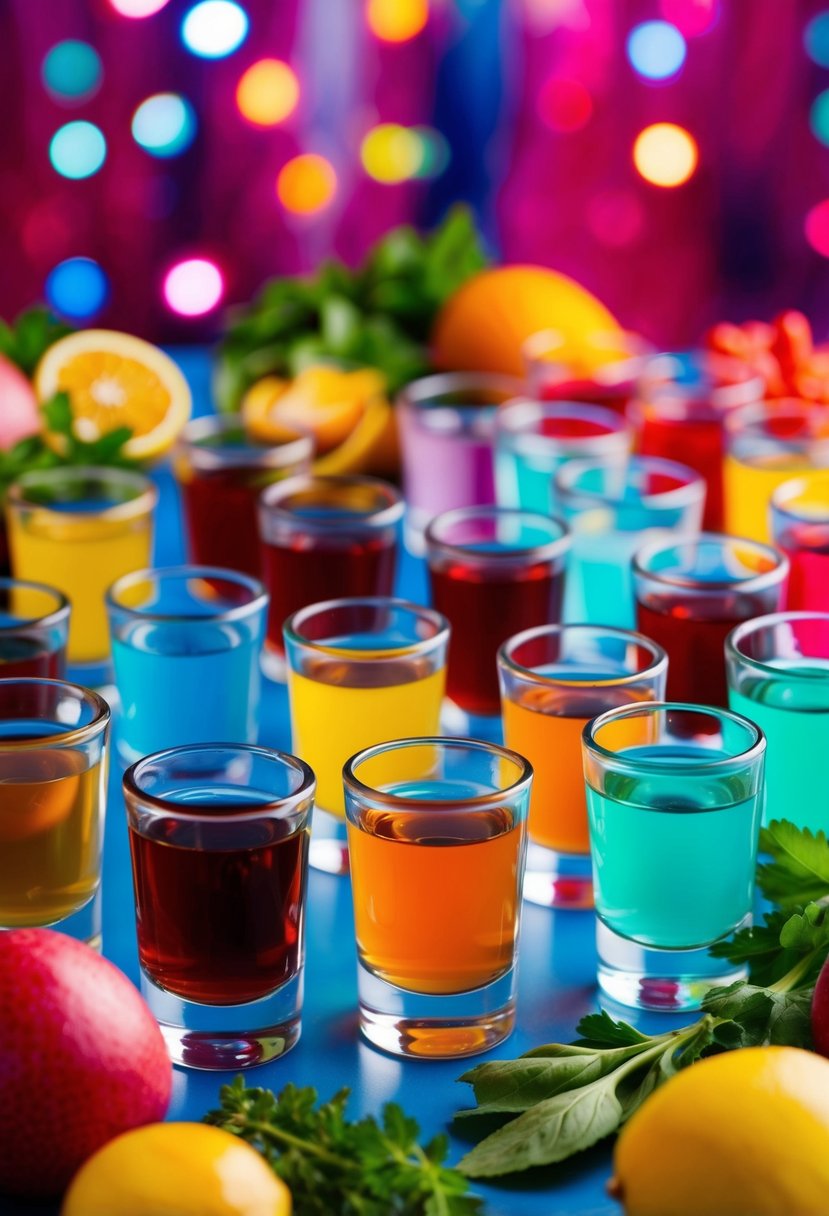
[515,1085]
[746,1005]
[759,946]
[600,1030]
[799,869]
[58,414]
[790,1024]
[33,332]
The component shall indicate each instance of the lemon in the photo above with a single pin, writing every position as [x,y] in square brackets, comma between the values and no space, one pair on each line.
[176,1169]
[741,1134]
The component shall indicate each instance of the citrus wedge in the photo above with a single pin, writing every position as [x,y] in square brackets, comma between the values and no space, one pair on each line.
[325,400]
[116,380]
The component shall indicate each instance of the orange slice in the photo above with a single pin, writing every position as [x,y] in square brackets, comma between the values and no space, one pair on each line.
[324,400]
[115,380]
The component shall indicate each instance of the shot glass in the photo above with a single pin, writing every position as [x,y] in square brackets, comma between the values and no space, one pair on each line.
[800,527]
[679,412]
[690,593]
[778,675]
[446,433]
[219,843]
[605,373]
[325,537]
[53,770]
[436,973]
[767,444]
[221,472]
[34,625]
[186,642]
[674,800]
[534,438]
[359,671]
[554,679]
[79,529]
[493,572]
[612,512]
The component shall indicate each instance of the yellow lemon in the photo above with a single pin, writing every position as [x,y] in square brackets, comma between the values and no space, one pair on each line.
[116,380]
[741,1134]
[176,1169]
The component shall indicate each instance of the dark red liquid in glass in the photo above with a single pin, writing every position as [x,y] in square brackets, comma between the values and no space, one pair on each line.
[312,569]
[218,927]
[613,396]
[808,588]
[28,658]
[484,608]
[696,442]
[5,560]
[220,509]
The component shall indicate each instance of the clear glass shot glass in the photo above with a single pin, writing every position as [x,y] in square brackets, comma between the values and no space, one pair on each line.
[535,438]
[359,671]
[437,838]
[219,843]
[778,675]
[800,527]
[79,529]
[767,444]
[493,573]
[674,801]
[53,772]
[606,373]
[323,538]
[554,679]
[612,512]
[446,425]
[679,411]
[221,471]
[34,626]
[186,642]
[691,592]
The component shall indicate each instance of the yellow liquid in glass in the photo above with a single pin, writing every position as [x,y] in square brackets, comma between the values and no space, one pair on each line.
[331,719]
[748,491]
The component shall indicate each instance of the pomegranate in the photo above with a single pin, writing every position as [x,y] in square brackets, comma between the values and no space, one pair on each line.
[820,1011]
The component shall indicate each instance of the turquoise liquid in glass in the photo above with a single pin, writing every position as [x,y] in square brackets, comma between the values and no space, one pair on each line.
[599,588]
[794,715]
[525,479]
[674,854]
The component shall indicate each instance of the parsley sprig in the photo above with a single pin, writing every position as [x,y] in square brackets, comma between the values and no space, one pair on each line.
[333,1164]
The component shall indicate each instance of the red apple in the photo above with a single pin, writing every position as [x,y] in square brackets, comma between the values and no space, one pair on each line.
[19,414]
[81,1059]
[820,1011]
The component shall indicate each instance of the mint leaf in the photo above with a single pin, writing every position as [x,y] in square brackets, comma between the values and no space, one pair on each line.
[58,414]
[799,869]
[26,341]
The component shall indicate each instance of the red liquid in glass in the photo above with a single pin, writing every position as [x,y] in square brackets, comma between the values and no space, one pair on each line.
[808,588]
[696,442]
[220,509]
[218,927]
[612,396]
[313,569]
[28,658]
[485,608]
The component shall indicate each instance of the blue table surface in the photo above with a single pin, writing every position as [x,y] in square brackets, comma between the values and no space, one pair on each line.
[556,971]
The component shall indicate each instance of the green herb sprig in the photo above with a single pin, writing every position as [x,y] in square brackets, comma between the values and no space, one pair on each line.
[31,334]
[333,1164]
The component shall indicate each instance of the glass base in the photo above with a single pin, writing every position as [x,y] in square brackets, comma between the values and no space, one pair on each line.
[457,723]
[558,880]
[644,977]
[426,1027]
[226,1036]
[273,665]
[329,843]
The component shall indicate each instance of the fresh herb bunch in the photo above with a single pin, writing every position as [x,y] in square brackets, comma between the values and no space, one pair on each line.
[567,1097]
[332,1164]
[379,315]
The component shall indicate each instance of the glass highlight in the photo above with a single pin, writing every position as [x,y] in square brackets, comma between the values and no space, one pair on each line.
[800,527]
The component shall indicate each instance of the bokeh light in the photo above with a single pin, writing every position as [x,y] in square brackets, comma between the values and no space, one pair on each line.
[72,71]
[77,288]
[817,228]
[164,125]
[564,105]
[78,149]
[138,8]
[306,184]
[816,39]
[691,17]
[396,20]
[656,50]
[665,155]
[819,117]
[391,153]
[267,93]
[434,152]
[193,287]
[214,28]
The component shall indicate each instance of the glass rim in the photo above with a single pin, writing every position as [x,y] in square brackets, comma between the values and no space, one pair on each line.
[256,588]
[73,734]
[748,755]
[544,550]
[749,582]
[692,487]
[447,743]
[276,454]
[423,390]
[754,412]
[55,616]
[656,667]
[292,626]
[770,620]
[508,422]
[655,392]
[159,804]
[794,487]
[381,516]
[142,502]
